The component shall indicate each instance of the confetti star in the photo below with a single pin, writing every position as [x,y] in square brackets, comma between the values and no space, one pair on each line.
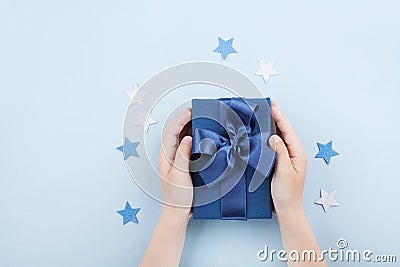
[327,200]
[144,120]
[128,214]
[266,70]
[225,48]
[129,149]
[326,152]
[136,95]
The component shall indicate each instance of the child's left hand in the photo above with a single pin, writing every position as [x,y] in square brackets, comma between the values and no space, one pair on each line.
[173,165]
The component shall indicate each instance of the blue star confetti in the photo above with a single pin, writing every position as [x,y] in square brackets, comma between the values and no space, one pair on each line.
[326,151]
[129,149]
[128,214]
[225,47]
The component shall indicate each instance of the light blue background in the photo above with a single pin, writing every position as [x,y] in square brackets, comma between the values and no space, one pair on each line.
[64,70]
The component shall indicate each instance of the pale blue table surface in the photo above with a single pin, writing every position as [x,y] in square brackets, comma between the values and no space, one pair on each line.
[64,70]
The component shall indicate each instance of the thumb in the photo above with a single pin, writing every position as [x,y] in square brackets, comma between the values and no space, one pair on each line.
[282,154]
[183,153]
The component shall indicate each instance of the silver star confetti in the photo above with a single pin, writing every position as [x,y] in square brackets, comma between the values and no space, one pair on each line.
[266,70]
[327,200]
[136,95]
[145,120]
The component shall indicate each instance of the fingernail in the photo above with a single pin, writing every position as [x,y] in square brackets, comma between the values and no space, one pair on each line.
[187,140]
[274,139]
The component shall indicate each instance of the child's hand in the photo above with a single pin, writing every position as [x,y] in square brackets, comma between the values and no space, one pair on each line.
[166,245]
[290,168]
[173,165]
[287,190]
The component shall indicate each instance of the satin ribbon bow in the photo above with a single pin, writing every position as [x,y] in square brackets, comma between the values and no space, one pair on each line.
[242,145]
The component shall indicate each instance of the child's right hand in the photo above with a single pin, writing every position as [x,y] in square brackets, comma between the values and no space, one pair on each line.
[290,167]
[287,190]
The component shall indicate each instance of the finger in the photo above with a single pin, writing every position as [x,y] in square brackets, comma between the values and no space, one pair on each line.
[183,153]
[293,144]
[282,155]
[178,182]
[170,139]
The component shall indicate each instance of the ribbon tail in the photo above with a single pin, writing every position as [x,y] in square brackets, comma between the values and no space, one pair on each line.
[233,204]
[263,165]
[233,192]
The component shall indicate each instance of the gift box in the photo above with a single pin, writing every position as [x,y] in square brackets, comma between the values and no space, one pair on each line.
[231,162]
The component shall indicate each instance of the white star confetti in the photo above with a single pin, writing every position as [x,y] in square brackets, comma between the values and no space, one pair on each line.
[266,70]
[136,95]
[327,200]
[145,120]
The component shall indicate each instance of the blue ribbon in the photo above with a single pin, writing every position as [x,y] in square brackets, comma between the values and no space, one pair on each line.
[242,145]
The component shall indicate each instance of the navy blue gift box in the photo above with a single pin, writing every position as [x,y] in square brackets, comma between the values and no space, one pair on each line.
[232,164]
